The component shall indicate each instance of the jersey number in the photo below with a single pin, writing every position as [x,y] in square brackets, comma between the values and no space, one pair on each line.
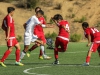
[94,30]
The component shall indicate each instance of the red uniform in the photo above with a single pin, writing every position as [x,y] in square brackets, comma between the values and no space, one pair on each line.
[63,36]
[9,22]
[95,38]
[38,30]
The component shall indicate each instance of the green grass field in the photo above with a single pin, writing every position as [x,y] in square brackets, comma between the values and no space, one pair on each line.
[70,63]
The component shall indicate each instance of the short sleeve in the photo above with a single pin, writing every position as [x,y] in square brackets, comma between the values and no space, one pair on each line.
[87,32]
[9,21]
[29,21]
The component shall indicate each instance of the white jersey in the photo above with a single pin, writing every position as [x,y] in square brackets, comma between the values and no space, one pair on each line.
[31,23]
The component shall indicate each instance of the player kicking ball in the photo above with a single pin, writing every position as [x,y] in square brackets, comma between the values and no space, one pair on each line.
[93,35]
[9,28]
[29,29]
[38,30]
[63,37]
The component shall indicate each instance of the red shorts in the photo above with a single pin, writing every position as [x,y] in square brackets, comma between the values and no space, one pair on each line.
[94,47]
[12,42]
[62,43]
[41,37]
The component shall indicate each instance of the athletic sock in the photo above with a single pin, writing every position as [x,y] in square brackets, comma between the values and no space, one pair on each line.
[56,53]
[42,50]
[22,54]
[87,59]
[40,53]
[17,53]
[6,54]
[33,47]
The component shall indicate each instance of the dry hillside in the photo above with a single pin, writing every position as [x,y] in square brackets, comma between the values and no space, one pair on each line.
[72,10]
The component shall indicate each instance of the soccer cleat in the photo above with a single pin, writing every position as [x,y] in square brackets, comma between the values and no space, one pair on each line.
[19,64]
[46,57]
[41,57]
[2,64]
[28,54]
[56,62]
[85,64]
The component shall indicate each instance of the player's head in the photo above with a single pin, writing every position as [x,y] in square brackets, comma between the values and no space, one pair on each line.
[85,25]
[10,10]
[58,17]
[39,13]
[37,9]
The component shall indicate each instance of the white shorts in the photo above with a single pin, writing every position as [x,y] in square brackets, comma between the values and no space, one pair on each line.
[30,38]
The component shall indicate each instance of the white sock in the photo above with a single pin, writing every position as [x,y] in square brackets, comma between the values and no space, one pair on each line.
[42,48]
[22,55]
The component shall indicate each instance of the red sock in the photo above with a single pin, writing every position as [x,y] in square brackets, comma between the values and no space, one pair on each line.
[33,47]
[40,53]
[17,53]
[5,55]
[87,59]
[56,53]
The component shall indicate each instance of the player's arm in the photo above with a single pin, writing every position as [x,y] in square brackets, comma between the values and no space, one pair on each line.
[24,25]
[54,21]
[47,26]
[89,40]
[65,28]
[8,32]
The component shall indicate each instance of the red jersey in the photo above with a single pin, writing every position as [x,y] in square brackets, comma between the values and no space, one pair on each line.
[62,31]
[39,28]
[9,22]
[94,33]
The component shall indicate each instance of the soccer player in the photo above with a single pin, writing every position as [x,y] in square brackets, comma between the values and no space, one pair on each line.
[93,36]
[29,28]
[38,30]
[9,28]
[63,37]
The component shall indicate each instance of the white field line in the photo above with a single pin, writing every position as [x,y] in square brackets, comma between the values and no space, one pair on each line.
[53,53]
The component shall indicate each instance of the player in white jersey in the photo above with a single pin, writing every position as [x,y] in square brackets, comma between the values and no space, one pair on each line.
[29,28]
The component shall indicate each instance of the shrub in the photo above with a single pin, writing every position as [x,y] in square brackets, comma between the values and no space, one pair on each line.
[32,3]
[81,20]
[75,37]
[52,35]
[19,38]
[51,21]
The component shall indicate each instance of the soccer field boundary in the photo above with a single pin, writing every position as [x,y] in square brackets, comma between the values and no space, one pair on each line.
[51,65]
[53,53]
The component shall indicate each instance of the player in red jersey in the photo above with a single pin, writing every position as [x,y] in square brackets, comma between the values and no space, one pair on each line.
[93,36]
[38,30]
[63,37]
[8,27]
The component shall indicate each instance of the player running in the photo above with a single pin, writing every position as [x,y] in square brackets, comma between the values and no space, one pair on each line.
[63,37]
[9,28]
[93,36]
[29,29]
[38,30]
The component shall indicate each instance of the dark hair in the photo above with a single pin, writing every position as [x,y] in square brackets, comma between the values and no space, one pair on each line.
[85,24]
[10,9]
[37,8]
[57,17]
[40,11]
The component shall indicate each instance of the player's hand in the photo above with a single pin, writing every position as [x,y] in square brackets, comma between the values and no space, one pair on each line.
[7,39]
[88,44]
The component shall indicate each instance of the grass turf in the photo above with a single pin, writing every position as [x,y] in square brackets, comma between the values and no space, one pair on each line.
[70,63]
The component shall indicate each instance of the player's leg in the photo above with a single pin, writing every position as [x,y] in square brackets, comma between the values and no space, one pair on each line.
[57,43]
[17,53]
[93,48]
[8,51]
[98,50]
[27,41]
[63,44]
